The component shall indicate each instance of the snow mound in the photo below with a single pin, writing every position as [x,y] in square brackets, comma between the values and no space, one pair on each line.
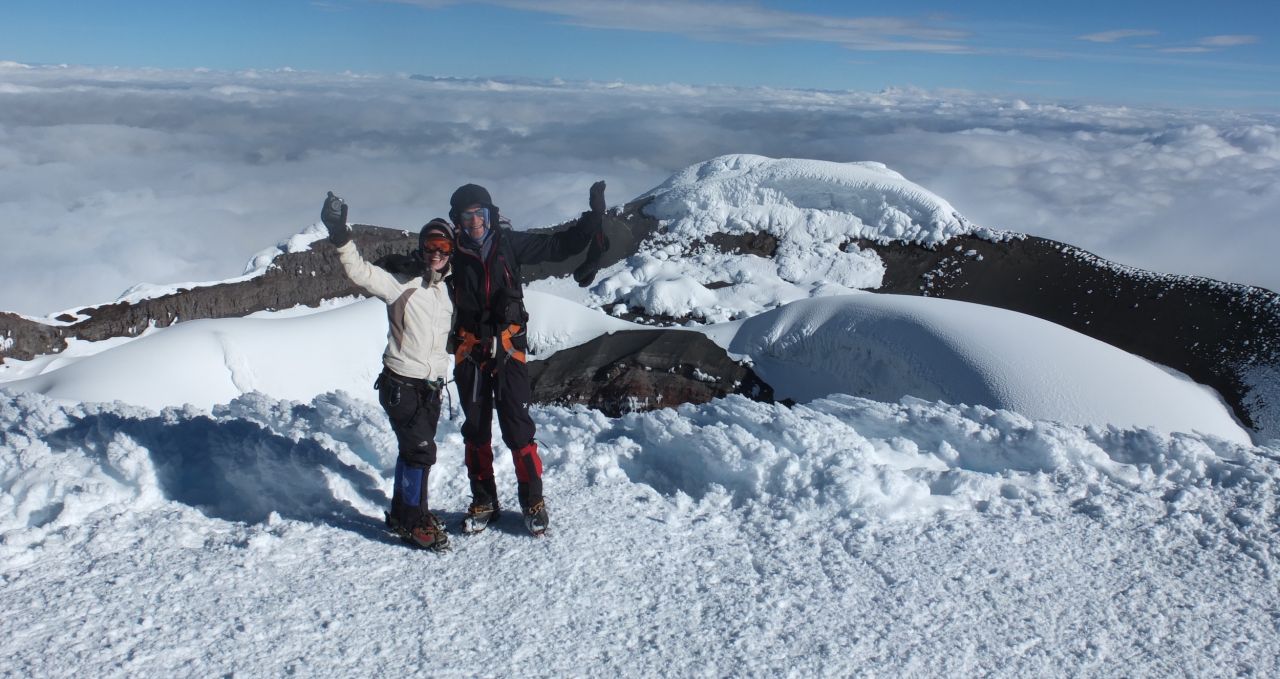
[212,361]
[886,347]
[813,211]
[857,461]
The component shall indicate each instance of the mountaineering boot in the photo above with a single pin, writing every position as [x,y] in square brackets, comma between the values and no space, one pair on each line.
[479,516]
[427,533]
[529,487]
[409,518]
[536,519]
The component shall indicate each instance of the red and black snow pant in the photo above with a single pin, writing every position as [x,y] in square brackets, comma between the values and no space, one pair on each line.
[413,406]
[501,384]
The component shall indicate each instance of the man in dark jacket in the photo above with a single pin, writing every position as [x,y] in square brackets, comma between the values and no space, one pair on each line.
[490,326]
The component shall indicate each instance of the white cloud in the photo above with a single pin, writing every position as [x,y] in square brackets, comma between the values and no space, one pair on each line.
[1228,40]
[1212,43]
[1117,35]
[733,21]
[110,178]
[1207,44]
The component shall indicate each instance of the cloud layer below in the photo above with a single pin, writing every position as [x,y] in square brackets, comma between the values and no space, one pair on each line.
[110,178]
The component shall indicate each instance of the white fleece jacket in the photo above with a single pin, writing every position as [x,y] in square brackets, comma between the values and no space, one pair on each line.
[419,312]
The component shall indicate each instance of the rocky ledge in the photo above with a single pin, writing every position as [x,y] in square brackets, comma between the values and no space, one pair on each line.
[638,370]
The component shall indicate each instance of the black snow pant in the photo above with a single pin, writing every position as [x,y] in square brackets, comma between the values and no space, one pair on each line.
[413,406]
[482,388]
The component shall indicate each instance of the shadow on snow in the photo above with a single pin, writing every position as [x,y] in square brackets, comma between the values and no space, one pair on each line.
[234,469]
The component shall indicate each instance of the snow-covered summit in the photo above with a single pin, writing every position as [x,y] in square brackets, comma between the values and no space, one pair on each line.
[823,200]
[809,214]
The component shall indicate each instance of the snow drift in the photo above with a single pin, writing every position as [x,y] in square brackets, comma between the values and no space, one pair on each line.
[886,347]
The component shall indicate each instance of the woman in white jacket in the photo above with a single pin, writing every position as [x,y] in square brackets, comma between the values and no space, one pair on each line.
[415,363]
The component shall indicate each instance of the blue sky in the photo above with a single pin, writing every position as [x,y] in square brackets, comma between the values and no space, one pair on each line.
[1218,55]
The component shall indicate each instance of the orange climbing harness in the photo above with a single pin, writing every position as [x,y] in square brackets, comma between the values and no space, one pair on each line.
[468,341]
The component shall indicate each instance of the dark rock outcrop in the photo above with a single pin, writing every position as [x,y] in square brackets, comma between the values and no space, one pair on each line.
[639,370]
[759,244]
[24,339]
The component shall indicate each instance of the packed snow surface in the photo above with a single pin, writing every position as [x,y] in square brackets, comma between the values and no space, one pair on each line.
[210,361]
[843,537]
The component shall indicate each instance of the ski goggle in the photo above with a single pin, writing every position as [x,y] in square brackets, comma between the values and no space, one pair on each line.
[480,212]
[437,246]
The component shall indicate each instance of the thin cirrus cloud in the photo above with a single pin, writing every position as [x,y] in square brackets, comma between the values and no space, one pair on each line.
[113,177]
[1212,43]
[1206,44]
[1118,35]
[731,21]
[1228,40]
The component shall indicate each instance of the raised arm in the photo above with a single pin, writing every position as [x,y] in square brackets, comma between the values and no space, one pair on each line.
[586,271]
[531,248]
[372,279]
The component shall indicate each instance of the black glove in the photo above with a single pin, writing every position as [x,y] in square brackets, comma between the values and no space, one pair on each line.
[586,272]
[596,200]
[334,216]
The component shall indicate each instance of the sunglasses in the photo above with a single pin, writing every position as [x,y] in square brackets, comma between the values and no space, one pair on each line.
[436,252]
[480,212]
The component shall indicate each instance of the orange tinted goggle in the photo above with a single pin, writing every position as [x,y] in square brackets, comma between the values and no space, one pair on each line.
[437,245]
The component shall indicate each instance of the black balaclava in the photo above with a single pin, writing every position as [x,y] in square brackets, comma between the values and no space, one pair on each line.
[471,194]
